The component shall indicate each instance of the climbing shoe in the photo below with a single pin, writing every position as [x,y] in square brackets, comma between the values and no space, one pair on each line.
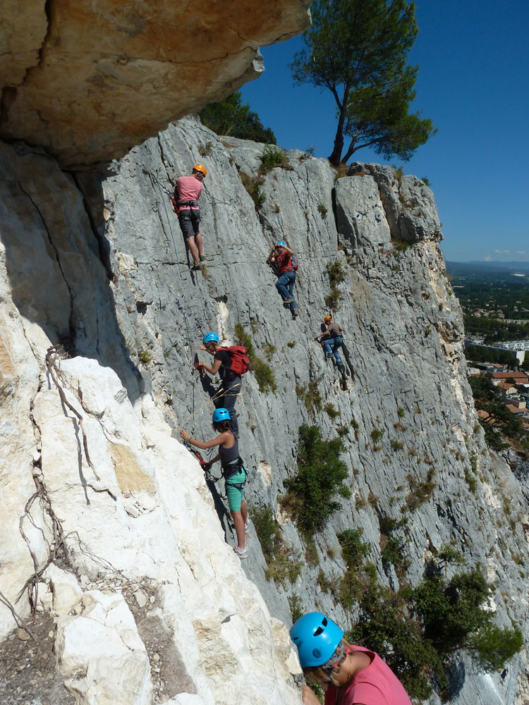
[195,267]
[202,258]
[288,301]
[241,552]
[295,313]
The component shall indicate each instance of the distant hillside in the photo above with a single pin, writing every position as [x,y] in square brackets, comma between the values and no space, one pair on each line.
[488,271]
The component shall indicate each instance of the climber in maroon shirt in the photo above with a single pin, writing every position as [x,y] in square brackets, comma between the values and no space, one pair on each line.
[284,261]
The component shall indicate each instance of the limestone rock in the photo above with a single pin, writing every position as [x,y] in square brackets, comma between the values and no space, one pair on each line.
[101,654]
[89,80]
[360,214]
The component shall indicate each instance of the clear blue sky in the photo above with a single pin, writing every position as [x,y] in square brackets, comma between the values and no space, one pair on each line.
[474,84]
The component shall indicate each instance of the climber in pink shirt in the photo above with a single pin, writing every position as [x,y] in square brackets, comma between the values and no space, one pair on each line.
[350,675]
[187,193]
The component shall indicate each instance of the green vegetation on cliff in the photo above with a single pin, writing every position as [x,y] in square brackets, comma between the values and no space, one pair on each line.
[232,117]
[319,480]
[418,630]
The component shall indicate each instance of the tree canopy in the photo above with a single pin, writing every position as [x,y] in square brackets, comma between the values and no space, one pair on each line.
[357,49]
[232,117]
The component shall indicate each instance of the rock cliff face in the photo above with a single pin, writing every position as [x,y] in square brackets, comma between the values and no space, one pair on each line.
[110,528]
[88,80]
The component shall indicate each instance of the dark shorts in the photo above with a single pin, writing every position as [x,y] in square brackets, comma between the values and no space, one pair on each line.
[189,221]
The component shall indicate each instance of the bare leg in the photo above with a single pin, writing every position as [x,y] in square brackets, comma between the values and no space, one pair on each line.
[198,240]
[239,527]
[193,249]
[244,511]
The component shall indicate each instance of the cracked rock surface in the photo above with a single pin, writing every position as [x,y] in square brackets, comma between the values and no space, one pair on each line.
[130,543]
[87,80]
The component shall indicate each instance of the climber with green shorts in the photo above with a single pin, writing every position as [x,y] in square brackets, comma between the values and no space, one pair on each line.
[233,471]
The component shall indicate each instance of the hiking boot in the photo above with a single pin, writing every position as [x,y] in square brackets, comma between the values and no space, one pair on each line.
[288,301]
[246,529]
[295,313]
[241,552]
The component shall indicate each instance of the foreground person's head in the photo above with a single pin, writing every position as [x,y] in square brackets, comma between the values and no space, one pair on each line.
[321,649]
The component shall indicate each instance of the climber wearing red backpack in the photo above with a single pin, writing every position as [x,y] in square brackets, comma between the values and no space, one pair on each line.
[285,262]
[230,364]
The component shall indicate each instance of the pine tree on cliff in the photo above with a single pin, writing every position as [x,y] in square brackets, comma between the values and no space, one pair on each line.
[357,49]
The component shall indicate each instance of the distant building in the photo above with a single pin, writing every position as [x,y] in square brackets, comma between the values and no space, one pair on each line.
[499,379]
[506,388]
[514,409]
[518,403]
[518,347]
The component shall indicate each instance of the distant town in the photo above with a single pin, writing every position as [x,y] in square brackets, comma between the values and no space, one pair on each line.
[495,303]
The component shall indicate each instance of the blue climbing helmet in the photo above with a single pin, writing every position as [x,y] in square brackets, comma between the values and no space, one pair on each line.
[282,243]
[210,338]
[220,415]
[317,638]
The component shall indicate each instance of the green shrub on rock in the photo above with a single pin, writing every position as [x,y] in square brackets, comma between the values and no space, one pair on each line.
[492,646]
[311,493]
[386,627]
[271,157]
[282,563]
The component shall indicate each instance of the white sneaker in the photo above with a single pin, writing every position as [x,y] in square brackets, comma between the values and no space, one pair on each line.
[246,529]
[241,552]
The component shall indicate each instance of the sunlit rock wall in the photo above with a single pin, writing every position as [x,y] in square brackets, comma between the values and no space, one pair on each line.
[111,534]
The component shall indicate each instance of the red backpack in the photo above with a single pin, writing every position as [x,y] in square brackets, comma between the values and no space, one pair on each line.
[239,362]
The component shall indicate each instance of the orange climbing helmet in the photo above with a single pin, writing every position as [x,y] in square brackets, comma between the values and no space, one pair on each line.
[327,319]
[201,168]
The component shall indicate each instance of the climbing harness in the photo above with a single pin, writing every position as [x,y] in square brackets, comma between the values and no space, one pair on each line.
[189,204]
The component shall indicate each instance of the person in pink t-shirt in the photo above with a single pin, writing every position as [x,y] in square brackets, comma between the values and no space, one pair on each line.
[350,675]
[187,193]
